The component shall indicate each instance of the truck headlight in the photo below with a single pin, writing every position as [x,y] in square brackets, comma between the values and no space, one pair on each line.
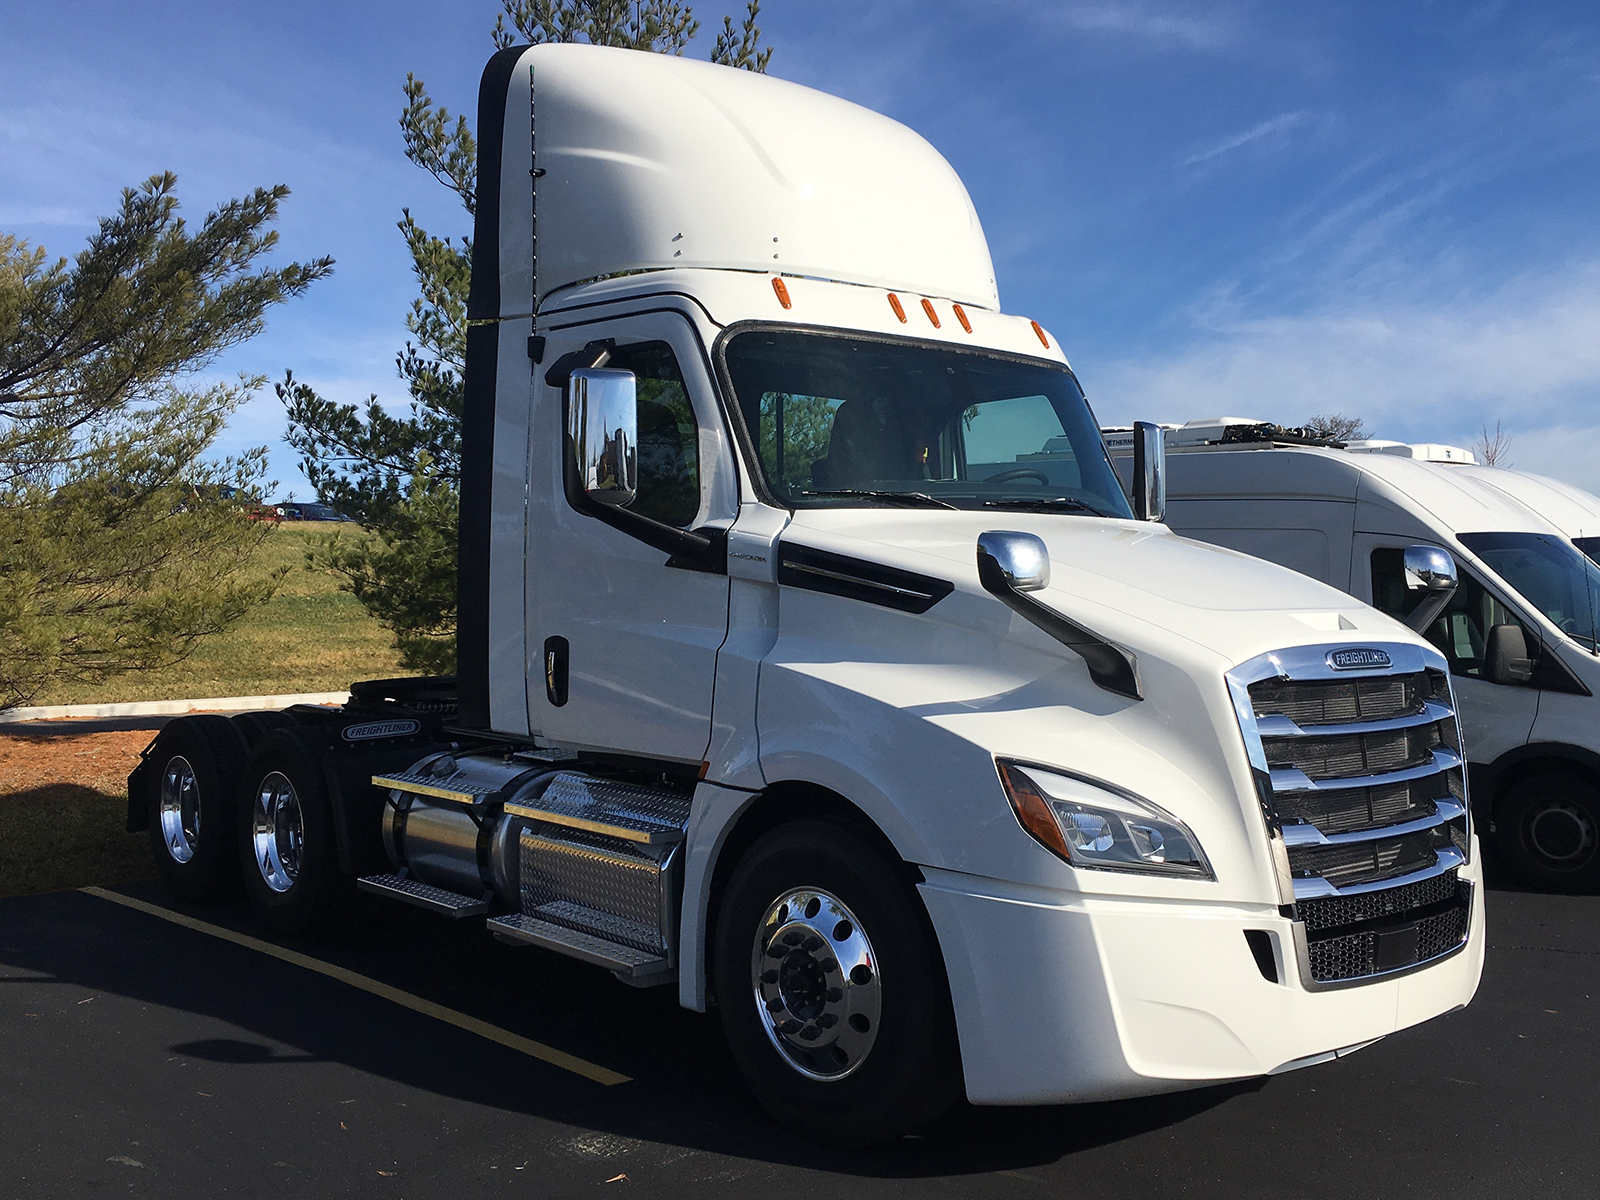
[1091,826]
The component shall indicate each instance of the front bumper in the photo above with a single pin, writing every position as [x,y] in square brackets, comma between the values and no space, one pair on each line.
[1061,997]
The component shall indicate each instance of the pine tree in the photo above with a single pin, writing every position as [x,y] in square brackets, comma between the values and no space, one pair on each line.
[121,542]
[400,475]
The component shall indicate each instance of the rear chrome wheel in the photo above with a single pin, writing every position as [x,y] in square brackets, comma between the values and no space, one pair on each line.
[816,984]
[180,809]
[277,831]
[187,785]
[287,845]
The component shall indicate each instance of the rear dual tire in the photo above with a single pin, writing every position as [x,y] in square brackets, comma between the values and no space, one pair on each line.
[286,846]
[190,806]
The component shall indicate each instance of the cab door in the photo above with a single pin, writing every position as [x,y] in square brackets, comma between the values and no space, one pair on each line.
[1495,717]
[623,635]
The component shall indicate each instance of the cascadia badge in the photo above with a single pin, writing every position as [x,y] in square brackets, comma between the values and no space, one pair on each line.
[370,730]
[1357,658]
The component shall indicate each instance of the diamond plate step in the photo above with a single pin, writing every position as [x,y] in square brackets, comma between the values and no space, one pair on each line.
[622,959]
[648,816]
[451,904]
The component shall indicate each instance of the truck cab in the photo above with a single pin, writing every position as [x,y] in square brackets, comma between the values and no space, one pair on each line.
[1519,636]
[814,664]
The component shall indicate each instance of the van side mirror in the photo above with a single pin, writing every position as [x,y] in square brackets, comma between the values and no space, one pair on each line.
[1431,572]
[1505,656]
[603,430]
[1149,472]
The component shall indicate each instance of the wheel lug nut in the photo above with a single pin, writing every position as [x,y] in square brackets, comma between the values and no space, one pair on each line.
[789,1027]
[812,944]
[775,1004]
[769,976]
[827,1021]
[829,964]
[810,1033]
[835,995]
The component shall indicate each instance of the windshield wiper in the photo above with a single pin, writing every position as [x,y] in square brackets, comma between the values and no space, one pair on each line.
[908,499]
[1068,503]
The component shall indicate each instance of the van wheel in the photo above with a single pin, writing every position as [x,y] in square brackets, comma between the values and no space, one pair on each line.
[197,764]
[286,844]
[1547,828]
[832,992]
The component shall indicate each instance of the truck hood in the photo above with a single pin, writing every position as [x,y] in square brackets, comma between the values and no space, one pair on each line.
[1119,578]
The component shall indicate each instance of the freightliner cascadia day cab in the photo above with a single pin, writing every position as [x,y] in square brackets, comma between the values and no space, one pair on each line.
[813,662]
[1519,635]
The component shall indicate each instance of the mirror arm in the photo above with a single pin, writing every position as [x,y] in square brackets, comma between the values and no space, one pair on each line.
[1110,666]
[1428,610]
[691,549]
[595,354]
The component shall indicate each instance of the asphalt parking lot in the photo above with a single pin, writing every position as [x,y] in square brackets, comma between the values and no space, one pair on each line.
[148,1057]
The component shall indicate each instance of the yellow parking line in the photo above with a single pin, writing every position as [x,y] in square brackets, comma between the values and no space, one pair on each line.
[549,1054]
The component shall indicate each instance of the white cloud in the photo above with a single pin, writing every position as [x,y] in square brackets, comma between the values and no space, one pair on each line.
[1279,124]
[1140,22]
[1526,354]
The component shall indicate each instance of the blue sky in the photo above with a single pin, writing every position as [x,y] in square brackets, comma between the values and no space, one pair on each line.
[1272,210]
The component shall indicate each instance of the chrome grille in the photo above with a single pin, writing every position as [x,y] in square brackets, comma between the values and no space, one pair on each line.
[1360,773]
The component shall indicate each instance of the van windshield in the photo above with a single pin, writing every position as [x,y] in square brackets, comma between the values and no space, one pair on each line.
[847,421]
[1549,574]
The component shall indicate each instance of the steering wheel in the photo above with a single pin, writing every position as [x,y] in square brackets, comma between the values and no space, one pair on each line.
[1020,473]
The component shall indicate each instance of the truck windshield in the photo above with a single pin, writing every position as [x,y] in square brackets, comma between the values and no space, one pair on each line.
[1550,575]
[843,421]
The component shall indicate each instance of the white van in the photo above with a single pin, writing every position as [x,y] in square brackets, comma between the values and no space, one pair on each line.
[1520,634]
[1572,510]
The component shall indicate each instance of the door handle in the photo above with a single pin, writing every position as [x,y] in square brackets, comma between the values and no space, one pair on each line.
[555,670]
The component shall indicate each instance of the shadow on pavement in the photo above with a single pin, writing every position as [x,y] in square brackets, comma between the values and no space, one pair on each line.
[685,1090]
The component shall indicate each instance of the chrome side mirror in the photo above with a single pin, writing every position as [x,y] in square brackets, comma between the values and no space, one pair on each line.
[1432,572]
[1021,559]
[1149,472]
[603,427]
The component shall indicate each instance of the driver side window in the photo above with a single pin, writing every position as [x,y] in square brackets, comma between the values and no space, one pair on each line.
[669,452]
[1463,630]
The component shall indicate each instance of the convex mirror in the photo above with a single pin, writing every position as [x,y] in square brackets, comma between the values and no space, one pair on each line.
[1430,574]
[1149,472]
[603,430]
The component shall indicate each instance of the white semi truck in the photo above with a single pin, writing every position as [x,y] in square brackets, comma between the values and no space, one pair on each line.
[813,662]
[1520,634]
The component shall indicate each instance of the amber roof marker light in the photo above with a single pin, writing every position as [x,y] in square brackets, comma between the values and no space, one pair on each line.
[927,307]
[894,303]
[782,290]
[1039,329]
[961,315]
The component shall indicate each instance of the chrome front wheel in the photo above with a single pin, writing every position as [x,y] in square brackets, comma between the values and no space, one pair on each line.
[277,831]
[816,984]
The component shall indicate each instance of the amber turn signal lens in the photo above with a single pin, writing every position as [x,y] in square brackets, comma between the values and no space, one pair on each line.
[782,290]
[1044,341]
[961,315]
[1033,812]
[894,303]
[927,307]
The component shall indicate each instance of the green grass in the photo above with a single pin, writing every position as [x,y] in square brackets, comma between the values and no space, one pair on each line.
[65,835]
[310,637]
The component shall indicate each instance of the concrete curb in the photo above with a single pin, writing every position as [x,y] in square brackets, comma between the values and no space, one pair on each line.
[160,708]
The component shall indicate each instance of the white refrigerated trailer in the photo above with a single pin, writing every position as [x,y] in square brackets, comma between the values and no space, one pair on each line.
[813,663]
[1520,634]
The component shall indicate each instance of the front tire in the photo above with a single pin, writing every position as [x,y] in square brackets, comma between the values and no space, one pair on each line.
[831,989]
[286,840]
[1547,828]
[196,767]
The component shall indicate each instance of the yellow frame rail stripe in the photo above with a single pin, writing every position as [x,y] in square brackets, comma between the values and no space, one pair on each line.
[493,1033]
